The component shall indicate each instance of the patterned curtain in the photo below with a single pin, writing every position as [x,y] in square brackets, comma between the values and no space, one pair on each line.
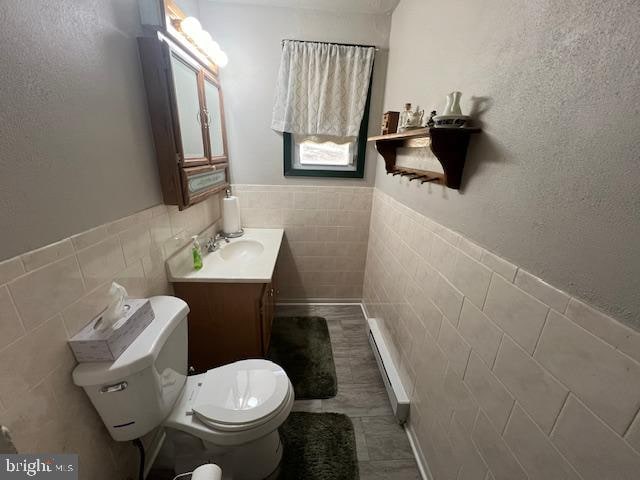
[322,88]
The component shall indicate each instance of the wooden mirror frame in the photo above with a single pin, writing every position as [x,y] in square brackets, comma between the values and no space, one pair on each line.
[155,53]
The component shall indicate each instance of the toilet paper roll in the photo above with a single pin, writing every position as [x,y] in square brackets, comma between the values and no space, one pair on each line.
[207,472]
[231,222]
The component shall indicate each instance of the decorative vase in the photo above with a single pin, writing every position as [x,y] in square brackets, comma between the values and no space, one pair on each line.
[453,104]
[452,115]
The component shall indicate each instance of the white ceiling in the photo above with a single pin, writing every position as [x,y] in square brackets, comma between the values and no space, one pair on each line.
[357,6]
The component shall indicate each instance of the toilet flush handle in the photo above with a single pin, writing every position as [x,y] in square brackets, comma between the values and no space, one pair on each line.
[118,387]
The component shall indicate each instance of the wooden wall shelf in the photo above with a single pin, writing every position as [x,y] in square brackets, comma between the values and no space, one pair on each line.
[449,145]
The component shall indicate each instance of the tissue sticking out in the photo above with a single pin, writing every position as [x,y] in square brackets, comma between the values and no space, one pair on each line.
[115,310]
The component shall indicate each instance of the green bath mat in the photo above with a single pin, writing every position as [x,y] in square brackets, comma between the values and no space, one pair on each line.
[318,446]
[302,347]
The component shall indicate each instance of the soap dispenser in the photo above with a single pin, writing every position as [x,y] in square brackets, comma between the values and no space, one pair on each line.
[196,253]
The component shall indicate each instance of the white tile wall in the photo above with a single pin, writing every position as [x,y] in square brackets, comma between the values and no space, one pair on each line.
[537,390]
[517,313]
[614,333]
[551,388]
[472,465]
[605,380]
[495,452]
[46,296]
[454,347]
[594,449]
[455,398]
[534,450]
[471,278]
[492,396]
[509,377]
[480,332]
[326,232]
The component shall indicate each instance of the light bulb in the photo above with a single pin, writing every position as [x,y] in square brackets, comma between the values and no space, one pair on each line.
[203,39]
[199,39]
[211,47]
[191,26]
[222,59]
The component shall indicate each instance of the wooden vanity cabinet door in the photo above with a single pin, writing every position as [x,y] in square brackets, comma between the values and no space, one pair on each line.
[267,310]
[224,322]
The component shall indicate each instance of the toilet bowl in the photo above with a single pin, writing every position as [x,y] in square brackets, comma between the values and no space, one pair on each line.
[235,410]
[231,413]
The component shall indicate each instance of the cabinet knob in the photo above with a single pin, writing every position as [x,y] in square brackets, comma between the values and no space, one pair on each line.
[271,291]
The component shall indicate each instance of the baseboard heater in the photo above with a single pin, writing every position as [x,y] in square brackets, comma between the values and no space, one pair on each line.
[397,395]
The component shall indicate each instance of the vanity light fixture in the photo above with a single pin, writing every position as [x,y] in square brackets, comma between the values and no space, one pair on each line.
[192,29]
[190,26]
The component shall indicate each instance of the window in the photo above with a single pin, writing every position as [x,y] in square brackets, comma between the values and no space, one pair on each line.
[324,151]
[324,156]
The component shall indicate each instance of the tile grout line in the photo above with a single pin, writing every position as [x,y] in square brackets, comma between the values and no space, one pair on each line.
[15,307]
[544,324]
[495,359]
[491,425]
[34,329]
[633,418]
[555,422]
[553,445]
[487,294]
[506,424]
[82,274]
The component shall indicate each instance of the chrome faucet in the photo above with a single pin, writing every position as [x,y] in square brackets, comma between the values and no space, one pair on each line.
[213,243]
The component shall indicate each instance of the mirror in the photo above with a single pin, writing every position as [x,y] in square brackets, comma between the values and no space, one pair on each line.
[214,117]
[185,79]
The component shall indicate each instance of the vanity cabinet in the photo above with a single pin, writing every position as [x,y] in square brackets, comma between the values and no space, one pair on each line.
[267,313]
[227,321]
[187,120]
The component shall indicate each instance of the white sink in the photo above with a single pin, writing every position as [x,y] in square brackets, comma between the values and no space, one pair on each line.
[241,251]
[248,259]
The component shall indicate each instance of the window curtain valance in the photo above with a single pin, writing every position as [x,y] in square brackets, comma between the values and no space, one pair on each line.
[322,88]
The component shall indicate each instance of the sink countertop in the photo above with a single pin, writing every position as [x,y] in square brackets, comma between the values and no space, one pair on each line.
[256,268]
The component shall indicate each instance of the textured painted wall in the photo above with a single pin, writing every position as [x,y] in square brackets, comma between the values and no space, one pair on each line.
[552,182]
[352,6]
[75,144]
[506,374]
[251,36]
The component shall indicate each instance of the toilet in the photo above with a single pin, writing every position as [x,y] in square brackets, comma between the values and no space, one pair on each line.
[229,415]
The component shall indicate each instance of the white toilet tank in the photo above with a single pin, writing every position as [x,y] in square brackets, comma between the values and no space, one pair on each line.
[136,392]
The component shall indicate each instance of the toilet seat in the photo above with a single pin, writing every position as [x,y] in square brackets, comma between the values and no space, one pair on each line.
[183,418]
[239,428]
[241,395]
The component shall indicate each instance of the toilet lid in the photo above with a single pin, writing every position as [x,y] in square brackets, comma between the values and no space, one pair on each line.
[241,392]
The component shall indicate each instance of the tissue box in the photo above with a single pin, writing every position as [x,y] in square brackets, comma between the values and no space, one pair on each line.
[92,345]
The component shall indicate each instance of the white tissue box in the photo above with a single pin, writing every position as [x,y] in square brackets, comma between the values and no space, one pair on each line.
[92,345]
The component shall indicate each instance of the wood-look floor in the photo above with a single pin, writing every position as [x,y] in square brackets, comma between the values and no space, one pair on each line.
[382,445]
